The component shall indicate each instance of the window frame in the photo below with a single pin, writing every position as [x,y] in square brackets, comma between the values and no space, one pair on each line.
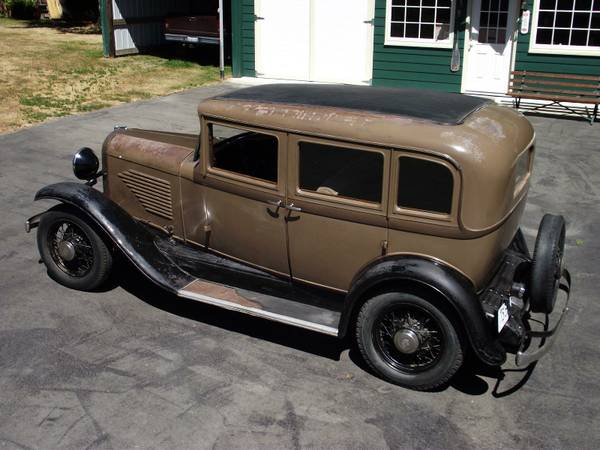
[412,214]
[236,177]
[417,42]
[551,49]
[313,196]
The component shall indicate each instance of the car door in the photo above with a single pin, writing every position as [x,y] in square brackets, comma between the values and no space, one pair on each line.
[337,223]
[242,173]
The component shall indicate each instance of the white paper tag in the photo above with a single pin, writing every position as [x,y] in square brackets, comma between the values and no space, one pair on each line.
[525,22]
[502,316]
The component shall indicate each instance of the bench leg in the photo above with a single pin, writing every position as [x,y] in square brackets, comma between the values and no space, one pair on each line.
[517,102]
[595,115]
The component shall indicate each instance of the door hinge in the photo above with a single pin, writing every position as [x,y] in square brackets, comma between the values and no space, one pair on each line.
[384,248]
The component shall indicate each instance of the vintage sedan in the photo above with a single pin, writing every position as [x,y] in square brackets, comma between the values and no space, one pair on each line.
[388,215]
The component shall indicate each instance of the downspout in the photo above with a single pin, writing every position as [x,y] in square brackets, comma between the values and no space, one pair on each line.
[221,42]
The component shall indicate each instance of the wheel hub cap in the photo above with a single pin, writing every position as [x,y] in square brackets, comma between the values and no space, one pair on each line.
[66,250]
[406,341]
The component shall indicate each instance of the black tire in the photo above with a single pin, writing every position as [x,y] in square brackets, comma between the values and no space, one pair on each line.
[382,354]
[91,261]
[546,269]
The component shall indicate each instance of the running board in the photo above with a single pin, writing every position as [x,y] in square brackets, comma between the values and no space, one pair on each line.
[258,304]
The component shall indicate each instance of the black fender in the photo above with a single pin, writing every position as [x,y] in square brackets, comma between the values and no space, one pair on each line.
[134,240]
[453,287]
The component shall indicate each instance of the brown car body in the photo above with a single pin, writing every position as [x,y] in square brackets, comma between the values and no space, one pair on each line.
[482,154]
[419,215]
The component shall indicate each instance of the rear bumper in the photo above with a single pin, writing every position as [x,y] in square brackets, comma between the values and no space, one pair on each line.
[529,336]
[526,354]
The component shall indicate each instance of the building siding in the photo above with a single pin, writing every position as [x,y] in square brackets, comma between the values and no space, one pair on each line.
[417,67]
[243,46]
[536,62]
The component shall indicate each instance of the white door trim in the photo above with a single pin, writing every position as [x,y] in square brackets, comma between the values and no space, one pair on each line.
[467,41]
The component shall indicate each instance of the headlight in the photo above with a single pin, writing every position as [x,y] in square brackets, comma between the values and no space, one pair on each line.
[85,164]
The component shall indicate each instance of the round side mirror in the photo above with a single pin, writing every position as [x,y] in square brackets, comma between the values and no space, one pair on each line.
[85,164]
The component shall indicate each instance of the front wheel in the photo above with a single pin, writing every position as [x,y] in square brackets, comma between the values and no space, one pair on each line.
[74,254]
[408,341]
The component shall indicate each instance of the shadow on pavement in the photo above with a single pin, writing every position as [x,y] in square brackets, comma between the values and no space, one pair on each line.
[285,335]
[468,380]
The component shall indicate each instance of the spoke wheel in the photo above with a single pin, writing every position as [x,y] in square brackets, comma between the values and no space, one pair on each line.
[408,340]
[70,248]
[73,252]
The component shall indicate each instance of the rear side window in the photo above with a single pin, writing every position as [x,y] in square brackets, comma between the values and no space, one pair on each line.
[341,172]
[244,152]
[424,185]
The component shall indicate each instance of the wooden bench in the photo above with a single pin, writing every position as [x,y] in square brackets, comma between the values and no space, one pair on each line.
[556,88]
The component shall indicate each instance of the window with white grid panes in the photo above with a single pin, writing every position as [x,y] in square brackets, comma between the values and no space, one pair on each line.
[567,25]
[493,19]
[419,22]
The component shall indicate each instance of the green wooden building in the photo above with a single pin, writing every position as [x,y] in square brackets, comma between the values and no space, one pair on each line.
[449,45]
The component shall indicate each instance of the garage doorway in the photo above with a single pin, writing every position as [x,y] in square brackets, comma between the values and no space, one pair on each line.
[182,29]
[316,40]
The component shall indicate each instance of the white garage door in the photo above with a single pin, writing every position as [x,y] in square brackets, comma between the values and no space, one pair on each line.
[317,40]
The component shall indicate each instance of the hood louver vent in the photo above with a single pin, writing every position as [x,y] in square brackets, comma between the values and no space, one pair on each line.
[153,193]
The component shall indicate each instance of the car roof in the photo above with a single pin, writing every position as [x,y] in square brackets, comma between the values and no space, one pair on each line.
[438,107]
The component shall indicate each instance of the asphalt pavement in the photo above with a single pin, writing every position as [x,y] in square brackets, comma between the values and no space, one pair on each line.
[132,366]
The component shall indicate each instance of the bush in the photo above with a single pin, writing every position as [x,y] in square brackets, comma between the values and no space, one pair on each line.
[19,9]
[80,9]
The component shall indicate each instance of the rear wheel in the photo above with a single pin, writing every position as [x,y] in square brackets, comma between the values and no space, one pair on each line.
[74,254]
[408,341]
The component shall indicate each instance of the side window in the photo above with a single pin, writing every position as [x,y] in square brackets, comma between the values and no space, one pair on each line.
[341,172]
[243,152]
[424,185]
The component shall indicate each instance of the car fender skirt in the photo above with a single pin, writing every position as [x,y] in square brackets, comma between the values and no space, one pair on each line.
[453,288]
[133,239]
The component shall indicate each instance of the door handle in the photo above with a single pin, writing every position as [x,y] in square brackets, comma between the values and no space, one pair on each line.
[277,204]
[291,207]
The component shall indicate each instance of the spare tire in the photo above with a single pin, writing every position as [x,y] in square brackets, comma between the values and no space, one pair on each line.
[547,267]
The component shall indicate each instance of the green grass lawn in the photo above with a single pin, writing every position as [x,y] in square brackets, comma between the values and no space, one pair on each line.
[46,72]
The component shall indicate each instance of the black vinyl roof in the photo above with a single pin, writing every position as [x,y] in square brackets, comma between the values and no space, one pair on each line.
[439,107]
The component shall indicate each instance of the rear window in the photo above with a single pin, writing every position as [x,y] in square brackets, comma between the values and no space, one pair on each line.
[424,185]
[341,172]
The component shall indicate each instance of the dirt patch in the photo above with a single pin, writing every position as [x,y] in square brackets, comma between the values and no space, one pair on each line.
[46,72]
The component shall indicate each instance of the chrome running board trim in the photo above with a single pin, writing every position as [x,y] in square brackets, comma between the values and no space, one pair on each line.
[257,311]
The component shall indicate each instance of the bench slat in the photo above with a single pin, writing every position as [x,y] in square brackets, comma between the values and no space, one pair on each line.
[553,83]
[563,98]
[527,88]
[555,75]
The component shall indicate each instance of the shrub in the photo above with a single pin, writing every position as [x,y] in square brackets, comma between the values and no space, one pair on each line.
[20,9]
